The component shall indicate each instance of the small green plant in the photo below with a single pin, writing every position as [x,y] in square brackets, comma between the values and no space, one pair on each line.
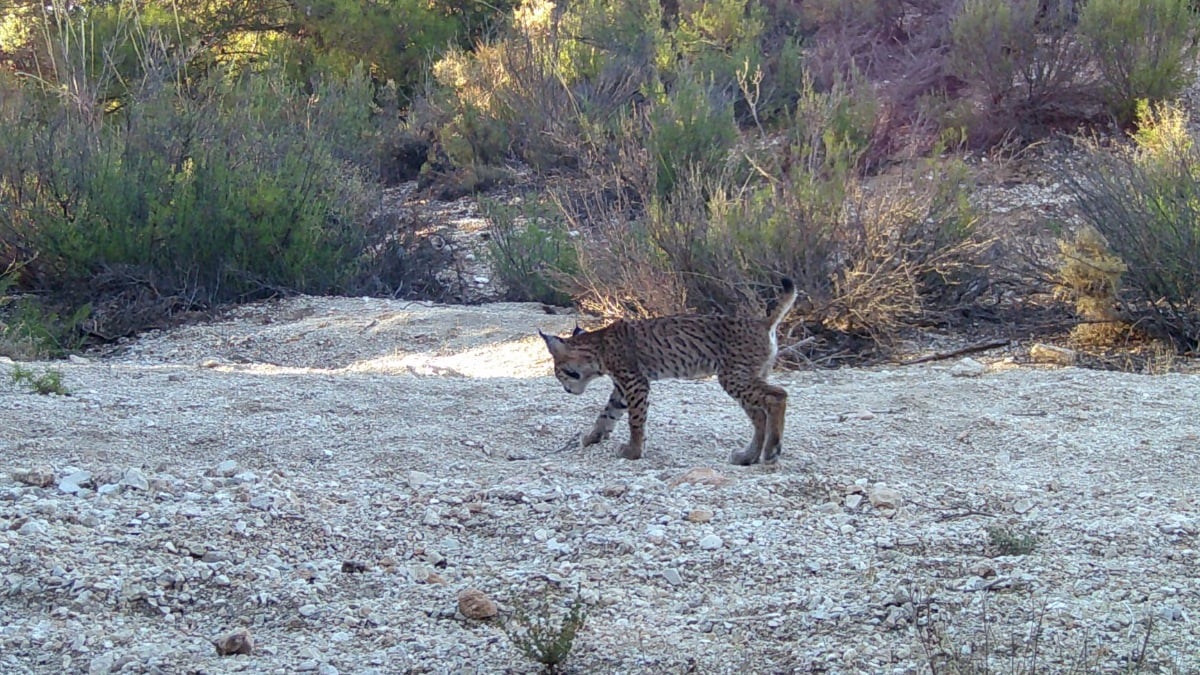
[1009,541]
[47,382]
[542,634]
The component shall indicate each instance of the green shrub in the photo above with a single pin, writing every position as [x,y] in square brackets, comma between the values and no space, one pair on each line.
[1025,63]
[691,129]
[545,635]
[234,187]
[1142,49]
[47,382]
[1145,202]
[531,251]
[1007,541]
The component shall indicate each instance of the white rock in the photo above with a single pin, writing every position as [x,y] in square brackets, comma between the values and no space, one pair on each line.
[672,576]
[134,478]
[883,496]
[75,481]
[968,367]
[711,542]
[226,469]
[33,526]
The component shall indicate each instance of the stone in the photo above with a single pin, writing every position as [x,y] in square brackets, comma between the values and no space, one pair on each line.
[135,479]
[1060,356]
[226,469]
[238,641]
[38,476]
[32,527]
[475,604]
[968,367]
[701,475]
[1023,505]
[418,479]
[883,496]
[672,576]
[75,481]
[853,501]
[308,610]
[711,542]
[699,516]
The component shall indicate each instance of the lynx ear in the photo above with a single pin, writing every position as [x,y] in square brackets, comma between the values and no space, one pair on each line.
[577,331]
[554,343]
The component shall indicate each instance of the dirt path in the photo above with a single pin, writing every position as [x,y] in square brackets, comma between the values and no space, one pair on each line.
[386,455]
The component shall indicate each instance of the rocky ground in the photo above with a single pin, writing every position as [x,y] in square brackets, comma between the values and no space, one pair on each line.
[330,474]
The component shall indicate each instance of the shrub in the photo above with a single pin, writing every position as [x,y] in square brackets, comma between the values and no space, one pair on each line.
[867,262]
[47,382]
[544,637]
[1090,277]
[1141,47]
[1145,201]
[1007,541]
[1026,65]
[531,251]
[229,188]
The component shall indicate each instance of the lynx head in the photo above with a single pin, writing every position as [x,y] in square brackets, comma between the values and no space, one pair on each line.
[575,364]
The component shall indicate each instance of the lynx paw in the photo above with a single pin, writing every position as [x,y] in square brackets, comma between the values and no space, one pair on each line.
[744,457]
[594,437]
[629,452]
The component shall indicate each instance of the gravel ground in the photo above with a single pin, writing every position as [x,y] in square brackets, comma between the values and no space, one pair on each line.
[330,474]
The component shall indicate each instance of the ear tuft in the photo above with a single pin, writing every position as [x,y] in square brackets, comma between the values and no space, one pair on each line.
[577,331]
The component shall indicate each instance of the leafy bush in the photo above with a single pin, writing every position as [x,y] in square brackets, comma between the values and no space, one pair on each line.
[1026,64]
[229,188]
[531,251]
[1141,47]
[1145,201]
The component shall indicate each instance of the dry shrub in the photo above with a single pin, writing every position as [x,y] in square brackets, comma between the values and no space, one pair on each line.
[1091,279]
[1144,200]
[868,262]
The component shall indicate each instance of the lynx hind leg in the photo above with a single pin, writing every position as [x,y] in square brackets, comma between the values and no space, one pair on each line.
[776,407]
[750,454]
[614,410]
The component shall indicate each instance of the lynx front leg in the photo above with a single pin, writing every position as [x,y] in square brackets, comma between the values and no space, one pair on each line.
[613,412]
[636,395]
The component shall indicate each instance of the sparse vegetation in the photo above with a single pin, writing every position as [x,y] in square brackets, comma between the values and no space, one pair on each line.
[984,643]
[1010,541]
[47,382]
[544,632]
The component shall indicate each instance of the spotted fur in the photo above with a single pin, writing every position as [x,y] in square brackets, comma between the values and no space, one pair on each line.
[740,351]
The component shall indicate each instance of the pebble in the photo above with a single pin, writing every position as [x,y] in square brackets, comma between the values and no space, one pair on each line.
[226,469]
[699,516]
[882,496]
[475,604]
[238,641]
[672,576]
[38,476]
[700,476]
[711,542]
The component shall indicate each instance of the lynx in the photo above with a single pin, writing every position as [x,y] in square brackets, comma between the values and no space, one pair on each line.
[739,351]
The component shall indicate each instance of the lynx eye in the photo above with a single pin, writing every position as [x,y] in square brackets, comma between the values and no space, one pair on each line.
[571,373]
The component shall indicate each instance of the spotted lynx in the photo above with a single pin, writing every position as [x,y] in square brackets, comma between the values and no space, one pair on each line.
[739,351]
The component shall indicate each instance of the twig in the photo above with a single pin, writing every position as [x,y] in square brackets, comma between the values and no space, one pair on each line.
[970,349]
